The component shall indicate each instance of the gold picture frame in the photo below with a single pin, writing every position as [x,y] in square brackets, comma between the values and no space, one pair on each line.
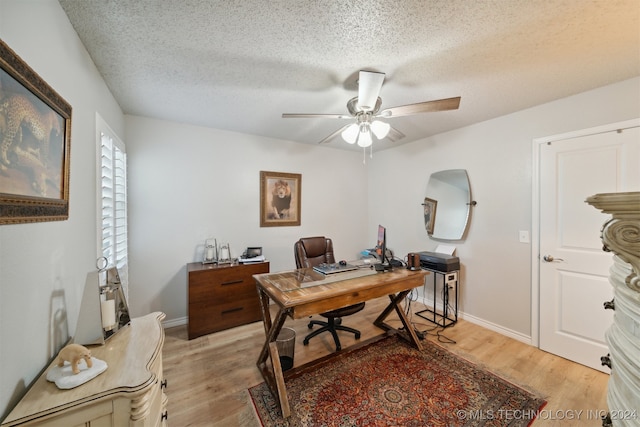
[430,207]
[280,197]
[35,145]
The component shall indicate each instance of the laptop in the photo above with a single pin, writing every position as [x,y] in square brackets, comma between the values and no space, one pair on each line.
[326,268]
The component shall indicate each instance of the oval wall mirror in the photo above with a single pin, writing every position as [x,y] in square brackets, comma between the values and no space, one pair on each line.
[447,204]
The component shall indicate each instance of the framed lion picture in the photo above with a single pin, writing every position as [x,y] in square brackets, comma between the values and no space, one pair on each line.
[280,199]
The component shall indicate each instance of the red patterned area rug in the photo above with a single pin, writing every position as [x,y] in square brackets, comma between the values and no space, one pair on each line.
[389,383]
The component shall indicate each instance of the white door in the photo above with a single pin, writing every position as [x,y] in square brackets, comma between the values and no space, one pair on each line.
[573,269]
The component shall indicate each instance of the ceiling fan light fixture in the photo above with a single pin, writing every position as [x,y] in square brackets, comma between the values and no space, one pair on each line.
[350,134]
[367,107]
[369,85]
[364,138]
[380,129]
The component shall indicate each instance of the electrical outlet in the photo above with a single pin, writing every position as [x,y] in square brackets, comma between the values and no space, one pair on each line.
[524,236]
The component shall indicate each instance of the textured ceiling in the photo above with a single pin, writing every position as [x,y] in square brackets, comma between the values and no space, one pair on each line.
[239,64]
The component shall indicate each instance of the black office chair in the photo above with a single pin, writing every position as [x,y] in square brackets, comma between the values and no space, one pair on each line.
[312,251]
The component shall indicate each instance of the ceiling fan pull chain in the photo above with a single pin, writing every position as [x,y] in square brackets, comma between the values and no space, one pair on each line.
[364,156]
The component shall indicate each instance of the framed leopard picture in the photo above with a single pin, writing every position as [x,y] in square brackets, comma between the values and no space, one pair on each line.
[35,145]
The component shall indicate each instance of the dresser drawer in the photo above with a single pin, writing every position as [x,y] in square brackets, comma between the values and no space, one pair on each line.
[221,289]
[94,415]
[208,319]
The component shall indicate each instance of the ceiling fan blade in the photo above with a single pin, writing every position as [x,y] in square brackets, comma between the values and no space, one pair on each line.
[369,85]
[422,107]
[334,134]
[394,135]
[315,116]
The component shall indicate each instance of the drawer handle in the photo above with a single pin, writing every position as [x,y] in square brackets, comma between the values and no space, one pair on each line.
[232,310]
[165,416]
[163,383]
[610,305]
[233,282]
[606,360]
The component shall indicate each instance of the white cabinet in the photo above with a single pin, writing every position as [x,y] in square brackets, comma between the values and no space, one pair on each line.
[621,235]
[129,393]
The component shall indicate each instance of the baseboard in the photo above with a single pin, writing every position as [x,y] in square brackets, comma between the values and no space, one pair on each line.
[518,336]
[172,323]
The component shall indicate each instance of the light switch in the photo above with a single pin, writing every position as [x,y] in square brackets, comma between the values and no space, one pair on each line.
[524,236]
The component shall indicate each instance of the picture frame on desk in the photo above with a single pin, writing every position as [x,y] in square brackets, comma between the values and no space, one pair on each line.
[35,131]
[280,199]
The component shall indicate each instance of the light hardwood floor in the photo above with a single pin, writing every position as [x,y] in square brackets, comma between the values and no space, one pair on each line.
[208,376]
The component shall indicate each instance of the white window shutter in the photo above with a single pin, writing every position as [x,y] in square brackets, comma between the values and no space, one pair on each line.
[114,205]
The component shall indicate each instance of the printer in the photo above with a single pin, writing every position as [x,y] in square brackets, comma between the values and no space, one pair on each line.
[439,262]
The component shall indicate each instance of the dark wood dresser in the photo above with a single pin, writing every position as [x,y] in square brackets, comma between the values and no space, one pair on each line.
[222,297]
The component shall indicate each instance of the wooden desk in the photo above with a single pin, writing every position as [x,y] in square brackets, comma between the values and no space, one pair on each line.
[300,293]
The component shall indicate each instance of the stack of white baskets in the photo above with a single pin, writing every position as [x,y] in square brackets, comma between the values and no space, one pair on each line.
[621,235]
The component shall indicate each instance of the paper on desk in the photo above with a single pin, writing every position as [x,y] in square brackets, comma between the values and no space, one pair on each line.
[446,249]
[259,258]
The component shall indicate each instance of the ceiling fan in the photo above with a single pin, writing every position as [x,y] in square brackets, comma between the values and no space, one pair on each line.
[364,111]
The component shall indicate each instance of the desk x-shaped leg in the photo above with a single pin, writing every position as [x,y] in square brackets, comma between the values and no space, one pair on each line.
[273,377]
[409,333]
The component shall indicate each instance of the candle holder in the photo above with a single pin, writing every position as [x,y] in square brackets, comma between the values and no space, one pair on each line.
[224,254]
[210,255]
[103,310]
[113,306]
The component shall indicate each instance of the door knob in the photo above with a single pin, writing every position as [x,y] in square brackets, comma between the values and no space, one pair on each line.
[549,258]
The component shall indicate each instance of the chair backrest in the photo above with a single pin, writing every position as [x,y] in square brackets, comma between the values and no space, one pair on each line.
[312,251]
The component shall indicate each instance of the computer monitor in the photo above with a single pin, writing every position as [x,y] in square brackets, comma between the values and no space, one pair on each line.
[381,249]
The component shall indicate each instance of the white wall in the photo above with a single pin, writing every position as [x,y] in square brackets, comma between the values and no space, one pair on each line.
[188,183]
[496,267]
[43,266]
